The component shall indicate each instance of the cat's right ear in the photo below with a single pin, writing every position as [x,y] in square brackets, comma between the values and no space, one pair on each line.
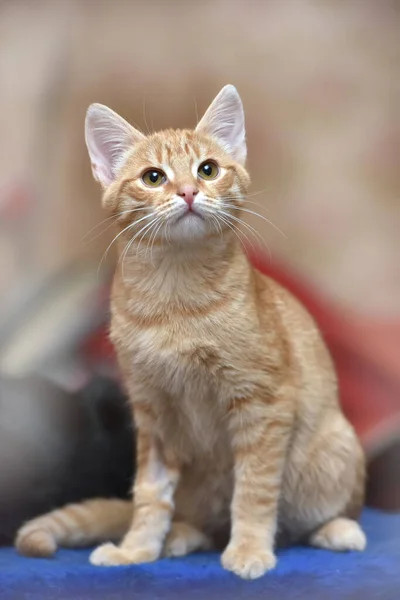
[108,139]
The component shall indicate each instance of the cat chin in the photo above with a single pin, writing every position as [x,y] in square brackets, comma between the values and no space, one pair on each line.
[190,226]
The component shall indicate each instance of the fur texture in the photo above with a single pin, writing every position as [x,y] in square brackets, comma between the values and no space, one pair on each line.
[240,436]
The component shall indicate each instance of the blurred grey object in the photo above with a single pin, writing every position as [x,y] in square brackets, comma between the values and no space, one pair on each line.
[57,447]
[43,335]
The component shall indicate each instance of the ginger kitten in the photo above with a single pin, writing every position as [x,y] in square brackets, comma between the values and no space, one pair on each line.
[240,436]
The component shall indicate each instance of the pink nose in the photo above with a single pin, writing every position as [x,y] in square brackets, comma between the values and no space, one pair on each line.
[188,193]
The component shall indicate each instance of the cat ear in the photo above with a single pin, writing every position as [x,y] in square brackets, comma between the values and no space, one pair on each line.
[224,120]
[108,137]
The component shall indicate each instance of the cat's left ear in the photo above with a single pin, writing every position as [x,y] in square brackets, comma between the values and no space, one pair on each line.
[224,120]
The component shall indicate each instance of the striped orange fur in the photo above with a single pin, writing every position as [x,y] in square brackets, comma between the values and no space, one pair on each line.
[240,436]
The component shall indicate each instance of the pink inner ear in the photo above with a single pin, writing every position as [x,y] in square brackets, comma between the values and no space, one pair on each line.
[108,137]
[224,120]
[101,174]
[105,153]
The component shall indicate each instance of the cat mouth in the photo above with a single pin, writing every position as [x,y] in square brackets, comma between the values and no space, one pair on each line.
[189,224]
[189,214]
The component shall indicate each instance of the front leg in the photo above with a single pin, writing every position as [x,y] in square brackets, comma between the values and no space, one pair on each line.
[153,499]
[260,430]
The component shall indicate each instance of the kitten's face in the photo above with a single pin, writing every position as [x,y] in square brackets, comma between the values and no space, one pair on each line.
[185,184]
[172,185]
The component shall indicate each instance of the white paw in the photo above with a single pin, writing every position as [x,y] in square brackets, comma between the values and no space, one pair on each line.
[340,535]
[184,539]
[176,547]
[248,560]
[109,555]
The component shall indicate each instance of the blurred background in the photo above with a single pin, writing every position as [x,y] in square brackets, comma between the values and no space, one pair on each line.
[321,89]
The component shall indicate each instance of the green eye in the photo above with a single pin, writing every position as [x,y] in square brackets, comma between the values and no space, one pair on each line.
[154,177]
[208,170]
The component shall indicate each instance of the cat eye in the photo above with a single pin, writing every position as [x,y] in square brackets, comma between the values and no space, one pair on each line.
[208,170]
[154,177]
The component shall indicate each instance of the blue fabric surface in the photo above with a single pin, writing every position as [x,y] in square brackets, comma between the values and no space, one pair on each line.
[305,573]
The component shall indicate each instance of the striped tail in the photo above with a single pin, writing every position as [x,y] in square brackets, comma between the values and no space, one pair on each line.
[75,525]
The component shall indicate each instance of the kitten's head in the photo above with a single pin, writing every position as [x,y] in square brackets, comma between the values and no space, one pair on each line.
[178,185]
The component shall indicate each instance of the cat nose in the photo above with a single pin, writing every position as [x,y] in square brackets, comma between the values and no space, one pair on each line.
[188,193]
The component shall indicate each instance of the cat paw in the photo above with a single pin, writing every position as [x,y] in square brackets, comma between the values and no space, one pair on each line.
[247,560]
[340,535]
[109,555]
[184,539]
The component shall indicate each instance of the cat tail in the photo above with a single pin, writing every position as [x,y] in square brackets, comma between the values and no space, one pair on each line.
[75,525]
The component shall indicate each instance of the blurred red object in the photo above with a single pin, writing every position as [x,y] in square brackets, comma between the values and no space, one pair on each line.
[366,353]
[15,201]
[98,347]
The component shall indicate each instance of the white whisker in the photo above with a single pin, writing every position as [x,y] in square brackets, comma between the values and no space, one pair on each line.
[154,239]
[124,254]
[154,230]
[249,227]
[246,201]
[236,231]
[219,228]
[111,243]
[248,195]
[212,216]
[167,232]
[114,217]
[251,230]
[130,226]
[252,212]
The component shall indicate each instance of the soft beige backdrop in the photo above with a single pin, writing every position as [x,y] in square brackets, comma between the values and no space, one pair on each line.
[321,87]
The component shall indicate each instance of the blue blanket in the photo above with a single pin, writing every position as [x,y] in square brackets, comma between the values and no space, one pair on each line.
[304,573]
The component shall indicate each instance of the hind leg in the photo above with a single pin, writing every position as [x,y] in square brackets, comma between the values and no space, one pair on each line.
[184,539]
[340,534]
[324,489]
